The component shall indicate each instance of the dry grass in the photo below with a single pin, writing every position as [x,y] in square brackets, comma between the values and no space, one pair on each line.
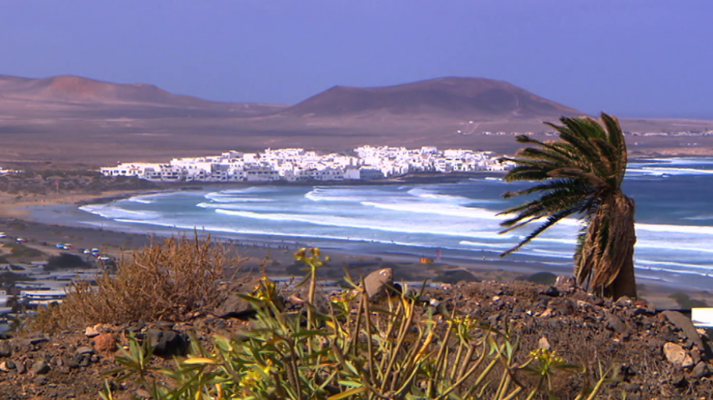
[175,280]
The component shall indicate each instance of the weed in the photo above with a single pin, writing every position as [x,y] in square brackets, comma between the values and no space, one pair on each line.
[356,350]
[175,280]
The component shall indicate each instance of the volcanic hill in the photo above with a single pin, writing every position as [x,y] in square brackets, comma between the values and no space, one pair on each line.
[80,120]
[75,91]
[472,98]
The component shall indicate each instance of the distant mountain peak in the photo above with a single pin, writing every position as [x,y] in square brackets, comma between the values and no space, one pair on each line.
[461,97]
[71,90]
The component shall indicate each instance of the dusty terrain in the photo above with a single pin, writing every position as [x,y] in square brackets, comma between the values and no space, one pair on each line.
[627,338]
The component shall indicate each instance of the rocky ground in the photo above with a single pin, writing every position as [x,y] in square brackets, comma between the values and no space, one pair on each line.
[654,355]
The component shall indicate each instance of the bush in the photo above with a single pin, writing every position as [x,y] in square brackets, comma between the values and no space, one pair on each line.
[352,350]
[167,280]
[542,278]
[66,260]
[685,301]
[19,250]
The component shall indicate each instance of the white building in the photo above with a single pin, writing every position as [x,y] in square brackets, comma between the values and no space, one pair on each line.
[295,165]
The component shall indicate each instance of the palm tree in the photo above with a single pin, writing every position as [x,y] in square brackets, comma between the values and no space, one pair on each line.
[581,174]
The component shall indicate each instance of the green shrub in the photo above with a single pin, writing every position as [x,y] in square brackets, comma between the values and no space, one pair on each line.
[352,350]
[685,301]
[66,260]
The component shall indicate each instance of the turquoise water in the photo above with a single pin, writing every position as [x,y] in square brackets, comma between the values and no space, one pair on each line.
[674,219]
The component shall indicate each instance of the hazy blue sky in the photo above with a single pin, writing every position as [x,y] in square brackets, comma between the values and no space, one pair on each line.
[628,57]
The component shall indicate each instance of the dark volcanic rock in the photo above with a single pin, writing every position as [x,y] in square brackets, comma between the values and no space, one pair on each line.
[5,349]
[167,343]
[551,291]
[615,323]
[40,367]
[684,323]
[701,370]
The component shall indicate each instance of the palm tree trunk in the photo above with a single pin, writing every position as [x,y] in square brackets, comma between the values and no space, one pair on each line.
[624,284]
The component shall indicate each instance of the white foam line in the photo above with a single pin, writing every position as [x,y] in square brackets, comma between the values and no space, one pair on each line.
[343,222]
[676,264]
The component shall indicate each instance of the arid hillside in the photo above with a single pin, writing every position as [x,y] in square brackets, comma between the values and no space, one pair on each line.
[74,96]
[70,119]
[471,98]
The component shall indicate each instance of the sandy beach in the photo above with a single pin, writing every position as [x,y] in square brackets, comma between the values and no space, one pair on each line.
[19,217]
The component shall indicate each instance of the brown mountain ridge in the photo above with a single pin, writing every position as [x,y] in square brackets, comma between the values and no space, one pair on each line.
[74,119]
[75,90]
[473,98]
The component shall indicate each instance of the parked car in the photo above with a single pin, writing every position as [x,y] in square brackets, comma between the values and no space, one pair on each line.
[2,235]
[59,245]
[21,240]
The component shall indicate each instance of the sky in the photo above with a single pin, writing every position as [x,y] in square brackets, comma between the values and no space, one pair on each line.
[631,58]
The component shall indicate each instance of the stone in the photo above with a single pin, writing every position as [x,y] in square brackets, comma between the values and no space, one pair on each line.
[40,380]
[615,324]
[167,343]
[585,305]
[4,367]
[566,283]
[105,343]
[235,306]
[91,332]
[84,360]
[684,324]
[38,340]
[136,326]
[84,350]
[551,291]
[377,283]
[543,343]
[624,302]
[563,306]
[701,370]
[675,354]
[71,362]
[5,349]
[695,355]
[21,368]
[679,381]
[40,367]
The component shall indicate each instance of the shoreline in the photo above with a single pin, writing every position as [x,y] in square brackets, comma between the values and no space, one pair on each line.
[270,254]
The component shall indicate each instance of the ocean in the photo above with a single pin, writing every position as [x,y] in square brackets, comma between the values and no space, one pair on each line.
[456,219]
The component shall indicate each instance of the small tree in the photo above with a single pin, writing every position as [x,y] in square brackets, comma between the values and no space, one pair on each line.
[581,174]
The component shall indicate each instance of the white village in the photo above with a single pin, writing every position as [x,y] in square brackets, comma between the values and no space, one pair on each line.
[295,165]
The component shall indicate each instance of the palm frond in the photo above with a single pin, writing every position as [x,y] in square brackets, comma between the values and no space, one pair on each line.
[551,220]
[581,173]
